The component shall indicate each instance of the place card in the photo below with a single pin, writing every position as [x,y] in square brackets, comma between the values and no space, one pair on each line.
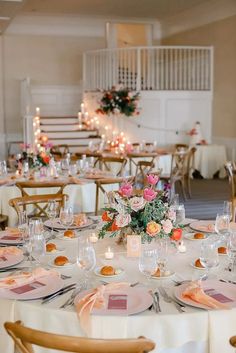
[28,287]
[117,301]
[133,245]
[213,293]
[10,237]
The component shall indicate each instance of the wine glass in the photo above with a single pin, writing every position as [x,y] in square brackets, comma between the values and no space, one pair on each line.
[51,212]
[222,224]
[180,214]
[209,255]
[86,259]
[66,216]
[231,250]
[23,224]
[227,209]
[38,247]
[35,226]
[148,262]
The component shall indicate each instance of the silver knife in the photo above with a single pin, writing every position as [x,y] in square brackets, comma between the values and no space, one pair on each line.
[156,294]
[55,295]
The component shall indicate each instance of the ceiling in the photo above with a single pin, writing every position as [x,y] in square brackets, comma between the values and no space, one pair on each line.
[158,9]
[8,10]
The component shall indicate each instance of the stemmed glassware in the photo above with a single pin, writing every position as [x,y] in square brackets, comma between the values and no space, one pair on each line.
[227,209]
[52,212]
[209,254]
[35,243]
[222,224]
[86,258]
[23,225]
[231,250]
[66,216]
[148,262]
[162,253]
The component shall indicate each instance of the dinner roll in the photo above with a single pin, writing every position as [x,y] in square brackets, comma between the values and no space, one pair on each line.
[61,260]
[222,250]
[69,233]
[198,264]
[50,247]
[199,236]
[107,271]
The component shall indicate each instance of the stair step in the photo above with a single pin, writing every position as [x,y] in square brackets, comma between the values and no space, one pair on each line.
[59,120]
[74,141]
[71,134]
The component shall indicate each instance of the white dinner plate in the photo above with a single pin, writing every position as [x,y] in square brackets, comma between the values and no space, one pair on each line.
[36,289]
[190,236]
[68,265]
[58,250]
[217,290]
[60,236]
[8,238]
[57,225]
[203,226]
[135,300]
[10,260]
[170,274]
[119,270]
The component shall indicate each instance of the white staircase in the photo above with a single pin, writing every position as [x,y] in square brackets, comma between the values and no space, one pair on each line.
[65,130]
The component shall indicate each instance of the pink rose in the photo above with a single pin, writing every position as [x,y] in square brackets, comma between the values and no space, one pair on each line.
[167,226]
[123,219]
[137,203]
[149,194]
[152,179]
[126,189]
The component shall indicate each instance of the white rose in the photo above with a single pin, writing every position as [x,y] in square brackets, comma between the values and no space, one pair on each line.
[123,219]
[171,215]
[137,203]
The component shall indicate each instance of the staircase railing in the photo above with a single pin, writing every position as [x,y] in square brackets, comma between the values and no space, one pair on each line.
[150,68]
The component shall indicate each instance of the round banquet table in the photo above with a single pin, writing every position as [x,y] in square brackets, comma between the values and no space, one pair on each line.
[210,159]
[195,331]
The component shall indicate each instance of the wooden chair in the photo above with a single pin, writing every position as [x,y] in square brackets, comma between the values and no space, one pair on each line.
[39,203]
[59,151]
[230,168]
[143,169]
[135,157]
[181,167]
[181,147]
[109,163]
[32,184]
[25,337]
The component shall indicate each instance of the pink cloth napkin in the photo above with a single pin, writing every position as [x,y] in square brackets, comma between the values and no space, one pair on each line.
[195,292]
[95,299]
[12,231]
[25,277]
[10,250]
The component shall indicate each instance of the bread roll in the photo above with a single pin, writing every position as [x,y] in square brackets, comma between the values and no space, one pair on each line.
[69,233]
[51,247]
[107,271]
[222,250]
[157,273]
[198,264]
[199,236]
[61,260]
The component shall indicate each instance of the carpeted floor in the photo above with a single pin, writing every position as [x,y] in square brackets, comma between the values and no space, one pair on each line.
[207,198]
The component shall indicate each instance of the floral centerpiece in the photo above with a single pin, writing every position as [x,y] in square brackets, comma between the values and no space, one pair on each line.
[119,101]
[36,157]
[148,214]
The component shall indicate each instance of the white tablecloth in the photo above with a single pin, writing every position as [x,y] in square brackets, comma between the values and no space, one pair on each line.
[195,331]
[210,159]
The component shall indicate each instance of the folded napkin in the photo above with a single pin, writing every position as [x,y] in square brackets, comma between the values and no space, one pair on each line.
[10,250]
[95,299]
[195,292]
[12,231]
[25,277]
[207,228]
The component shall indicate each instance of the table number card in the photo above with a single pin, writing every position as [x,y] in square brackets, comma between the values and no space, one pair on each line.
[133,245]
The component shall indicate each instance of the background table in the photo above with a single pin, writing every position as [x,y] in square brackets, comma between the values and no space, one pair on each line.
[209,159]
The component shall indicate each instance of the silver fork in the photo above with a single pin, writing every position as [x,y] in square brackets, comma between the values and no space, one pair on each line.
[71,299]
[168,299]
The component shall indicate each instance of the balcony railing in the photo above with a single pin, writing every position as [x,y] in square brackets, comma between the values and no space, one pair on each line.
[160,68]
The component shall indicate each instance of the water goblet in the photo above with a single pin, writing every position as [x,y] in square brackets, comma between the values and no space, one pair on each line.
[222,224]
[23,225]
[148,262]
[227,209]
[52,212]
[209,257]
[86,259]
[66,216]
[231,250]
[38,247]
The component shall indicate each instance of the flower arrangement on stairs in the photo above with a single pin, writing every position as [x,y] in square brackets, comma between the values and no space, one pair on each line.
[119,100]
[147,214]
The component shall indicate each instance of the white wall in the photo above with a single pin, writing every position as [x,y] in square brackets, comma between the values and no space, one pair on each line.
[165,117]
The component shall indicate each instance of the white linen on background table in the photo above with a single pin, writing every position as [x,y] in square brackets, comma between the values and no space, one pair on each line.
[172,332]
[209,159]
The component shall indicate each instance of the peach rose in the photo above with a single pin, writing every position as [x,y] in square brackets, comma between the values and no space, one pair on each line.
[153,228]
